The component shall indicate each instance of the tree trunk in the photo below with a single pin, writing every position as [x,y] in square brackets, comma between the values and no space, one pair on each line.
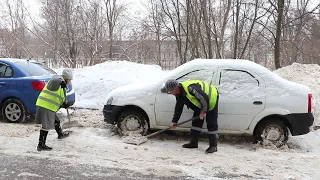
[278,35]
[235,48]
[207,26]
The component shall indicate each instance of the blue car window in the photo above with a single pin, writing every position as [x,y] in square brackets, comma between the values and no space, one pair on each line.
[35,69]
[8,72]
[5,71]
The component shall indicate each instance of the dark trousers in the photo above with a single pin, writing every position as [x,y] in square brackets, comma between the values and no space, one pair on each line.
[212,123]
[57,126]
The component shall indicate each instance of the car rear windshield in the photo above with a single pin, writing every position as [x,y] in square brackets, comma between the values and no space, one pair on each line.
[35,69]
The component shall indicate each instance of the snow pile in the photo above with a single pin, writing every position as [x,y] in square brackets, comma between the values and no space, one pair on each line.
[309,75]
[92,84]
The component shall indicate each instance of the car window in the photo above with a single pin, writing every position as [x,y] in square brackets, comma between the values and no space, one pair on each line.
[35,69]
[5,71]
[237,82]
[205,75]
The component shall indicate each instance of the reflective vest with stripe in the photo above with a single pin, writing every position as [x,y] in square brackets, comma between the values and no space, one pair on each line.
[51,100]
[210,90]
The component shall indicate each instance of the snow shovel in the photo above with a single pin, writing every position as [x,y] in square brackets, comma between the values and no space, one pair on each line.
[70,123]
[139,139]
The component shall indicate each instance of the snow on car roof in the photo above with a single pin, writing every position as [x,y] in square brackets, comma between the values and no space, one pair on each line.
[242,64]
[235,63]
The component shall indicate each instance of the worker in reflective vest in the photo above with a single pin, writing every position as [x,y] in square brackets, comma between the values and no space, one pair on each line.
[50,100]
[203,99]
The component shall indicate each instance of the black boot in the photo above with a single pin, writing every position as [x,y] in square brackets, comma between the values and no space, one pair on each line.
[58,129]
[193,142]
[42,141]
[213,144]
[63,135]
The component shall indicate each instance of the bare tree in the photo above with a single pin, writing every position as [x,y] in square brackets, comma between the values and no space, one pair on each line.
[114,11]
[153,24]
[245,16]
[71,27]
[271,32]
[219,36]
[235,48]
[17,43]
[93,23]
[52,15]
[63,20]
[279,24]
[280,7]
[174,13]
[296,34]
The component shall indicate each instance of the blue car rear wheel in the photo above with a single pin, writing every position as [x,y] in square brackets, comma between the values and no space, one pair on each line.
[13,111]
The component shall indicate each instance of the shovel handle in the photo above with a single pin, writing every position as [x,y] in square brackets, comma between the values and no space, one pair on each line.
[158,132]
[65,95]
[68,114]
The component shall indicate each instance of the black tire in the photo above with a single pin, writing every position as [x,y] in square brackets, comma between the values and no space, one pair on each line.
[272,130]
[132,121]
[13,111]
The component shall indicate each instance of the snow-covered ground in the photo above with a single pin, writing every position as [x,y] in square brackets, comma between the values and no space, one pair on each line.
[98,143]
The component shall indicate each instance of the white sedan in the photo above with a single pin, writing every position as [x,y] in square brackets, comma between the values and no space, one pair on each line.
[252,101]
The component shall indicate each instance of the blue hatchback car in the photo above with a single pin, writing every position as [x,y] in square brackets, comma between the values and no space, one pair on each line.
[21,82]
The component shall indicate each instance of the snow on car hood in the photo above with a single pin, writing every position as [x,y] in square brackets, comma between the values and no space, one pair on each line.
[133,91]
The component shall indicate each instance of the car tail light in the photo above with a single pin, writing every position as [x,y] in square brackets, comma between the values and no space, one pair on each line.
[38,85]
[309,103]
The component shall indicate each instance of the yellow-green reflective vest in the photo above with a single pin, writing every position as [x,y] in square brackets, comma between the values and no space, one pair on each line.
[51,100]
[210,90]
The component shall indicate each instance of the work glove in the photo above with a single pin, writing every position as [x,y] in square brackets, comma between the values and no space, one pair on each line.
[63,84]
[65,105]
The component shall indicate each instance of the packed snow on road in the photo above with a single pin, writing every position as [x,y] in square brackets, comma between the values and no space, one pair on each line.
[98,143]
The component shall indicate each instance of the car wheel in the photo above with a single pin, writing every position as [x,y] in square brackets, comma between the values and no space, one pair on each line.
[13,111]
[132,122]
[272,131]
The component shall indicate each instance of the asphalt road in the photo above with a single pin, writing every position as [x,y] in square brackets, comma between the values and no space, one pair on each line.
[32,168]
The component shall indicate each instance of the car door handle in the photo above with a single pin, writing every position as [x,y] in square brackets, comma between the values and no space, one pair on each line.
[2,83]
[257,102]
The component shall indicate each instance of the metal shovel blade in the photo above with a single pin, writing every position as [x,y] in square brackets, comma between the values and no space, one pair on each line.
[71,124]
[135,140]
